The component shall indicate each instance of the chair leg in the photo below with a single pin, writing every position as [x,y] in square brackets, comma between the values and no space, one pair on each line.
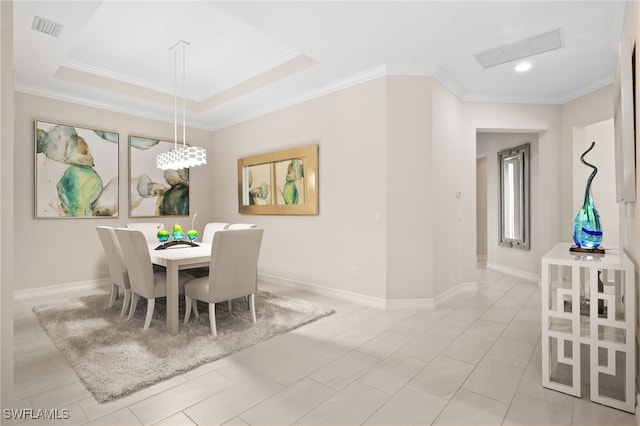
[126,302]
[212,318]
[187,310]
[134,304]
[195,309]
[229,305]
[151,304]
[114,295]
[252,307]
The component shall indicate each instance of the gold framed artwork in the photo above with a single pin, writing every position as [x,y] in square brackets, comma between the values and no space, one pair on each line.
[279,183]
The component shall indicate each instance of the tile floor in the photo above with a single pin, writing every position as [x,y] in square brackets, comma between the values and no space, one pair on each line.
[474,360]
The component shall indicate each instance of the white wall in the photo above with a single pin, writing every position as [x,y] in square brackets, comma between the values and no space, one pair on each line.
[68,250]
[603,157]
[527,261]
[7,256]
[350,128]
[410,167]
[453,202]
[576,115]
[392,145]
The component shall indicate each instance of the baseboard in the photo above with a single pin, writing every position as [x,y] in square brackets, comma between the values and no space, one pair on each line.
[374,302]
[347,296]
[55,290]
[515,272]
[460,288]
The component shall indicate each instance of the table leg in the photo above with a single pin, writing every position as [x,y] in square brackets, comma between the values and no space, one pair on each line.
[172,298]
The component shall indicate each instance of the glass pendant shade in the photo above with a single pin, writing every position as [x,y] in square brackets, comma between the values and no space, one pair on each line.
[587,231]
[182,156]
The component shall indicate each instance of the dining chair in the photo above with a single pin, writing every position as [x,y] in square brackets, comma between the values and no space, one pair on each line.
[233,273]
[149,229]
[242,226]
[207,237]
[144,281]
[116,265]
[210,228]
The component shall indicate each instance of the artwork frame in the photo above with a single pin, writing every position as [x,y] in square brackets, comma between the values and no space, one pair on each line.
[76,171]
[294,172]
[154,192]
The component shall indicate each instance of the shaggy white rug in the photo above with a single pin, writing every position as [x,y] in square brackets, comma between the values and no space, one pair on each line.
[114,357]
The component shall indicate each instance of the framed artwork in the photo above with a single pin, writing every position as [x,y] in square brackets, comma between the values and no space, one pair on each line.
[154,192]
[283,182]
[76,171]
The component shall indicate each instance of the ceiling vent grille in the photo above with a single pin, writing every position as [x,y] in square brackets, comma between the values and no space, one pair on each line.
[521,49]
[46,26]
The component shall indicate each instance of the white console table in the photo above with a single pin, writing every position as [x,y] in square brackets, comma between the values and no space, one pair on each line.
[589,301]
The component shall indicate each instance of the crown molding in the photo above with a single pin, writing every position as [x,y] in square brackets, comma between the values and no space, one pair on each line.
[135,112]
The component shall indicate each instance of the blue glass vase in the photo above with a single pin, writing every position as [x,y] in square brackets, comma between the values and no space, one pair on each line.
[587,231]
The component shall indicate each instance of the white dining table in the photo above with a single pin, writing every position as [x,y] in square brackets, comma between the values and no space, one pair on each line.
[175,259]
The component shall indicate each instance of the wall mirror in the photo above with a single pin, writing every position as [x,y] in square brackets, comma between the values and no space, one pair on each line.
[513,166]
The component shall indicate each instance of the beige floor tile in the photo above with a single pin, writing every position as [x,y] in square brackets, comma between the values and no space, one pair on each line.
[526,410]
[384,344]
[467,348]
[494,379]
[500,315]
[360,365]
[62,396]
[351,406]
[94,410]
[122,417]
[514,352]
[443,376]
[531,385]
[426,346]
[469,408]
[178,419]
[230,403]
[410,406]
[168,403]
[346,341]
[524,331]
[303,338]
[344,370]
[392,374]
[483,329]
[289,405]
[587,413]
[295,367]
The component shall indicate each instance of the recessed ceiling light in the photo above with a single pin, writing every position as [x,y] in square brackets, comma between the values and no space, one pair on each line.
[523,67]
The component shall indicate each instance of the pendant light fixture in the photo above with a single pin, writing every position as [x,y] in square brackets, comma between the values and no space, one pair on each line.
[181,157]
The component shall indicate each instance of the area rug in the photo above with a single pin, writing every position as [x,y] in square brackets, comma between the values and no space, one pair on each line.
[114,357]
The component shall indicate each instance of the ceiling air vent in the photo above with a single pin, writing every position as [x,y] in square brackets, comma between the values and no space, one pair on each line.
[46,26]
[520,49]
